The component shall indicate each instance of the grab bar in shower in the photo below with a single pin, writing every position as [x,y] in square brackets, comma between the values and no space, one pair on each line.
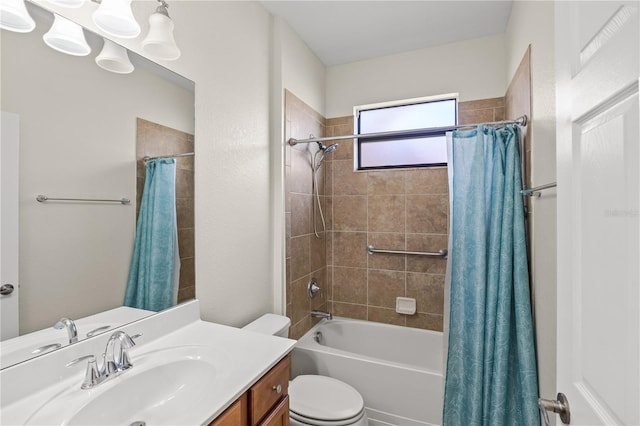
[372,250]
[42,198]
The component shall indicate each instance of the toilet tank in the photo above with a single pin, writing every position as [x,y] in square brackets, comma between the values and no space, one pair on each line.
[276,325]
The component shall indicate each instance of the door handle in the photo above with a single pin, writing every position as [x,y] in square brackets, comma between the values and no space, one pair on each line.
[6,289]
[560,406]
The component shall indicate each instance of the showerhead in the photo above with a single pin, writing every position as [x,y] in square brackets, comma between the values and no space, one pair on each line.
[329,149]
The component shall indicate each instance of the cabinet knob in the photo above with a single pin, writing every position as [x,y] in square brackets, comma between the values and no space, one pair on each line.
[278,389]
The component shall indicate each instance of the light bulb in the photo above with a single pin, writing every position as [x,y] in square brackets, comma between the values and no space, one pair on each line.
[14,17]
[160,43]
[114,58]
[66,37]
[115,18]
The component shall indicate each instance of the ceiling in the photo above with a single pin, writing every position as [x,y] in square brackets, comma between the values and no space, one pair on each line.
[341,32]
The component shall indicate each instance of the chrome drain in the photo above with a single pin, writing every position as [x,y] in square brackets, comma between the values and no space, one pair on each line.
[138,423]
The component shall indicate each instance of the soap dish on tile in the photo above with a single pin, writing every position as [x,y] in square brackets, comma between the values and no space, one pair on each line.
[405,305]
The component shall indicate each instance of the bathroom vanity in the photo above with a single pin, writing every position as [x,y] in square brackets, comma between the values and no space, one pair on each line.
[266,403]
[185,371]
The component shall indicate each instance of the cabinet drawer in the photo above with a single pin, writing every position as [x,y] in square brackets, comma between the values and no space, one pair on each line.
[269,390]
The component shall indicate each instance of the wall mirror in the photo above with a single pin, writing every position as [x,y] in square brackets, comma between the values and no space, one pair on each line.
[78,127]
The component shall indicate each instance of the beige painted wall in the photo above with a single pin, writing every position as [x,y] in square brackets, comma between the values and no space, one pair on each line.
[78,139]
[474,68]
[297,69]
[532,22]
[302,72]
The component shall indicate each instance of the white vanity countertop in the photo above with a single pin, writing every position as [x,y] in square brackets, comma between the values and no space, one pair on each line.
[242,357]
[247,356]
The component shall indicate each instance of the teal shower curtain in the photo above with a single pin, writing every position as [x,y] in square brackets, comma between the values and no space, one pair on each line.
[152,283]
[491,375]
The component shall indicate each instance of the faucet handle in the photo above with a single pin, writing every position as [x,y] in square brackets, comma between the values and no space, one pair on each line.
[126,343]
[92,375]
[78,360]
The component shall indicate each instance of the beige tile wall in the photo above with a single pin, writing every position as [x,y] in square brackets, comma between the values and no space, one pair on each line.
[305,254]
[391,209]
[517,103]
[155,140]
[481,111]
[404,209]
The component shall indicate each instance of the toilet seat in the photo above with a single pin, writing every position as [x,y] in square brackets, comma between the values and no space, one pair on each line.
[324,401]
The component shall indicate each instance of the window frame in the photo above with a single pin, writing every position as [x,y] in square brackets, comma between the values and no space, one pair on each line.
[357,158]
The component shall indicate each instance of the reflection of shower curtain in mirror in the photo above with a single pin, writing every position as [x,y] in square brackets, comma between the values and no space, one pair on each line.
[155,266]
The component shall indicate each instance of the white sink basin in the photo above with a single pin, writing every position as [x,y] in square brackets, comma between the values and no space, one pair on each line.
[160,386]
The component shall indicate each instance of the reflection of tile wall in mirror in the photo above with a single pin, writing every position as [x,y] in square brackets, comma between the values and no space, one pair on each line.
[157,140]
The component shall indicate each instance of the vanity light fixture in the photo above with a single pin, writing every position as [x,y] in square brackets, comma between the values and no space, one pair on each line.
[14,17]
[114,58]
[115,18]
[160,43]
[71,4]
[66,37]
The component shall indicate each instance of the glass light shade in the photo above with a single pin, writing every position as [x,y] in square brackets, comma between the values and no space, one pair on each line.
[71,4]
[160,43]
[14,16]
[115,18]
[66,37]
[114,58]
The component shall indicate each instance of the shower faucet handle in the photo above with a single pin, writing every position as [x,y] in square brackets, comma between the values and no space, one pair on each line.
[313,288]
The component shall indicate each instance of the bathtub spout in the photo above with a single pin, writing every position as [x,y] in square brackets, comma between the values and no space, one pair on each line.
[321,314]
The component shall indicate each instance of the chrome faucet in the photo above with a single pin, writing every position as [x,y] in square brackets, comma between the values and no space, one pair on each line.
[115,361]
[321,314]
[118,362]
[72,331]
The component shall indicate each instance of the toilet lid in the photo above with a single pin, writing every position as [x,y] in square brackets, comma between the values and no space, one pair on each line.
[324,398]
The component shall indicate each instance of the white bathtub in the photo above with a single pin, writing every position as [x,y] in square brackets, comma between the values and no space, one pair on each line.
[398,370]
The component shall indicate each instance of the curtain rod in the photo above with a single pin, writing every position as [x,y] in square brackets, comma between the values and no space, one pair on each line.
[520,121]
[186,154]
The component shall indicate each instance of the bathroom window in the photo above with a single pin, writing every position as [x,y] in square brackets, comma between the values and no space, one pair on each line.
[426,149]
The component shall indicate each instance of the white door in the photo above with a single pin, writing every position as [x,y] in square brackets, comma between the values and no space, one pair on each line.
[598,364]
[9,138]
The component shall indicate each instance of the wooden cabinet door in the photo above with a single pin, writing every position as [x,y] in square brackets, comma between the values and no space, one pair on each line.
[279,416]
[235,415]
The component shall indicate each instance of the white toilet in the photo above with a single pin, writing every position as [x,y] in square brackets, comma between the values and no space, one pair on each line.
[315,400]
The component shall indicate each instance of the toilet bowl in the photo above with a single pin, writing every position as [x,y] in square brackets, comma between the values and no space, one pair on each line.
[315,400]
[322,400]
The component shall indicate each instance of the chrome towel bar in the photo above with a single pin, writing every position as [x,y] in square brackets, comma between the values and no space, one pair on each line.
[372,250]
[535,192]
[186,154]
[42,198]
